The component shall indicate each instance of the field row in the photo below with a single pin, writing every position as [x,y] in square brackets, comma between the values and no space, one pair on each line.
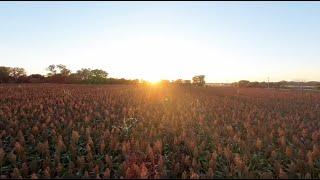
[156,132]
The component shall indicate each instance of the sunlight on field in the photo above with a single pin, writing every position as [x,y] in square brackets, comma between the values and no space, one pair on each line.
[159,90]
[134,131]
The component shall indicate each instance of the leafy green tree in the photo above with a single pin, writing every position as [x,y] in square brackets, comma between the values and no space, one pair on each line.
[84,74]
[98,73]
[98,76]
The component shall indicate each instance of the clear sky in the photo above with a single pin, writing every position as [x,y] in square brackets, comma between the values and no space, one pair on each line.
[226,41]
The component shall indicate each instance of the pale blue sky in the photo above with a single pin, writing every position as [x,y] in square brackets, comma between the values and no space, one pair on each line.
[226,41]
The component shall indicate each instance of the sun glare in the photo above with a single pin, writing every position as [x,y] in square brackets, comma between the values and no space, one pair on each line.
[153,76]
[154,81]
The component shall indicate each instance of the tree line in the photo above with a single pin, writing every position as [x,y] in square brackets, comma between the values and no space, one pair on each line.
[280,84]
[61,74]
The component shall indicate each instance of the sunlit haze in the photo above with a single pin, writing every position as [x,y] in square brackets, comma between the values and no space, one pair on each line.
[225,41]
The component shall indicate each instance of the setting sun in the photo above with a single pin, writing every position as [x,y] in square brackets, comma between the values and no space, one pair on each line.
[159,90]
[153,78]
[154,82]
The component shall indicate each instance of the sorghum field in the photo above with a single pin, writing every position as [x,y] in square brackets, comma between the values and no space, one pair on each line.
[115,131]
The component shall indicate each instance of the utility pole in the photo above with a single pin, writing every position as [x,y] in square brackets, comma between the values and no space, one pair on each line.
[268,82]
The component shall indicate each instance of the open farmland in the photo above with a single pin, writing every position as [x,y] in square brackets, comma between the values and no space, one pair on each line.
[52,131]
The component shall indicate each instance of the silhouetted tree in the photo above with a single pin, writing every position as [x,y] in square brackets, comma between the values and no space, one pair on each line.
[52,69]
[243,83]
[54,76]
[178,81]
[253,84]
[74,78]
[187,82]
[263,84]
[282,84]
[4,74]
[199,80]
[63,70]
[36,78]
[121,81]
[17,73]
